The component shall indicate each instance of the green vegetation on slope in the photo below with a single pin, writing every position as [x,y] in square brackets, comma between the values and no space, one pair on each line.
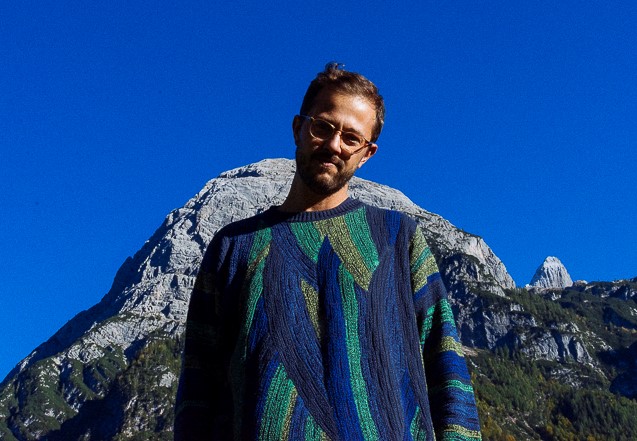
[519,398]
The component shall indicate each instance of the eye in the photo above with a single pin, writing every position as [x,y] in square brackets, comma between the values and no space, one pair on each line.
[351,139]
[321,129]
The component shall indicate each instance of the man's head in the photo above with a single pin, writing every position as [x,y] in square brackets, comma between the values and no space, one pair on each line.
[341,117]
[343,82]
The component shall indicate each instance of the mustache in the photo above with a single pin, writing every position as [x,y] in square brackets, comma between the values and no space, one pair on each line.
[327,157]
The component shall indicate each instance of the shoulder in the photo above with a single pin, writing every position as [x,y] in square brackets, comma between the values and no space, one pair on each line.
[242,227]
[391,218]
[390,227]
[233,238]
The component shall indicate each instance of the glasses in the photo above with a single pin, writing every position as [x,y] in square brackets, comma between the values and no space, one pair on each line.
[350,142]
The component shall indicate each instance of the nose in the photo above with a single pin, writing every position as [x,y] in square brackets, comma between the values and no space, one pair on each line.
[334,143]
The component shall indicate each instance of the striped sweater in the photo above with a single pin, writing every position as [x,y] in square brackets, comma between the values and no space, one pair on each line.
[330,325]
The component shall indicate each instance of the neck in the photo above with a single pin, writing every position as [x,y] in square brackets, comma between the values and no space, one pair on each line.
[300,198]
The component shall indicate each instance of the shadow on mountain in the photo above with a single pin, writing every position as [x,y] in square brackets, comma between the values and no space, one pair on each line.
[99,417]
[625,361]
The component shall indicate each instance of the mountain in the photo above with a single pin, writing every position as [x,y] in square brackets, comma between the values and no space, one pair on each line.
[551,274]
[539,361]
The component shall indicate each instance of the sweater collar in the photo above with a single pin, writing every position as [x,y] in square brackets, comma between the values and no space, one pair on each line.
[346,206]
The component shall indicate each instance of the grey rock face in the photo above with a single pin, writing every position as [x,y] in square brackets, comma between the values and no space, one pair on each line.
[555,345]
[551,274]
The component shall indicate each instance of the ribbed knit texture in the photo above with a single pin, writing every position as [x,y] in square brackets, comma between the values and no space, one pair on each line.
[329,325]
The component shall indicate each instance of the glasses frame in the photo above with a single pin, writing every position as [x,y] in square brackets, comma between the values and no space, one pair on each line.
[335,130]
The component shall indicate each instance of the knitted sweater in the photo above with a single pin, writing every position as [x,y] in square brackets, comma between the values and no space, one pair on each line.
[330,325]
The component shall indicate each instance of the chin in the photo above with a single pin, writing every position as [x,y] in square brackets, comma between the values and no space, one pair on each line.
[325,184]
[323,188]
[321,180]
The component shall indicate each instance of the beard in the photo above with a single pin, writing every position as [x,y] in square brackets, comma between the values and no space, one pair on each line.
[317,180]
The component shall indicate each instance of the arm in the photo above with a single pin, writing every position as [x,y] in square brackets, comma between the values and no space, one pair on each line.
[203,405]
[453,409]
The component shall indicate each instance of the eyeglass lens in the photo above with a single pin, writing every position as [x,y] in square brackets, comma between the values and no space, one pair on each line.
[324,130]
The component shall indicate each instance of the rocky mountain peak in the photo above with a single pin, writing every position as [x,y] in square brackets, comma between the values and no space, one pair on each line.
[551,274]
[101,359]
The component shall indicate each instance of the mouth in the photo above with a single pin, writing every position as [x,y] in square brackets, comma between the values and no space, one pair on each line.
[327,161]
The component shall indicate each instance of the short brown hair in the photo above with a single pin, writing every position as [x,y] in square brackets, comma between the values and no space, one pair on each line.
[337,79]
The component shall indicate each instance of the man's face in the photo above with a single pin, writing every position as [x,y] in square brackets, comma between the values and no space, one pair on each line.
[321,164]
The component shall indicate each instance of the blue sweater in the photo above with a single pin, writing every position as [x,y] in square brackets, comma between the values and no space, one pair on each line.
[331,325]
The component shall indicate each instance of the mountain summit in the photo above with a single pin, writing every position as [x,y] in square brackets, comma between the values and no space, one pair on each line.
[551,274]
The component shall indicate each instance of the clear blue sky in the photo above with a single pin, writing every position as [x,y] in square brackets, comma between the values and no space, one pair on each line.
[514,120]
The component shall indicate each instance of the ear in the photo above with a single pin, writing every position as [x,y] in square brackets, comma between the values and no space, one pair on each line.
[371,151]
[297,122]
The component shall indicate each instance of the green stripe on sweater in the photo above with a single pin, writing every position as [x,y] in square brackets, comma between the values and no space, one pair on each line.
[352,341]
[445,315]
[308,238]
[347,250]
[362,238]
[278,407]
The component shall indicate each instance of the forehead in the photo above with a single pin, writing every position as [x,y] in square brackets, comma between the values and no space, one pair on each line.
[345,110]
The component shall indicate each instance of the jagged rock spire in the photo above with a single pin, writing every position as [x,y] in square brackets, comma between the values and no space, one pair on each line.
[551,274]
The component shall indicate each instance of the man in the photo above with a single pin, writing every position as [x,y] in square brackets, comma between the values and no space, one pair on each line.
[324,318]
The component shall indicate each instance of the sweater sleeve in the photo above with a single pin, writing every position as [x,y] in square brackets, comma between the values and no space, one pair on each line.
[453,408]
[203,404]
